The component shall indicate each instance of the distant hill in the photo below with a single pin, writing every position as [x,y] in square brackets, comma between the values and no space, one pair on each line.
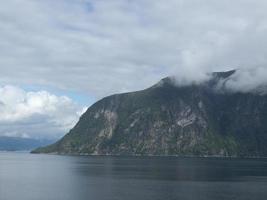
[21,144]
[165,119]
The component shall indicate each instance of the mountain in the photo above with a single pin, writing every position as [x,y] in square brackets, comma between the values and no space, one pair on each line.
[21,144]
[165,119]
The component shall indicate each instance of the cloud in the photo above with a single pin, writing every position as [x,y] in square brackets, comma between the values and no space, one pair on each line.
[36,114]
[108,46]
[249,80]
[103,47]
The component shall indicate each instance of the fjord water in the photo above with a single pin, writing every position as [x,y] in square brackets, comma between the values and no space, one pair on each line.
[25,176]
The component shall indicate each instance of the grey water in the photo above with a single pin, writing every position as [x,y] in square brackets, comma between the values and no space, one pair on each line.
[25,176]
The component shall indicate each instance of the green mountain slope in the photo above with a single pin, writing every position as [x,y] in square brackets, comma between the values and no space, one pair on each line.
[165,119]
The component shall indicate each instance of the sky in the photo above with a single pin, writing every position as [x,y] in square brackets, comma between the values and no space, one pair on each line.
[57,57]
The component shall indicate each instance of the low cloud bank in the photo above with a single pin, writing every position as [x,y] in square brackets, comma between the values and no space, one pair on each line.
[249,80]
[243,80]
[36,114]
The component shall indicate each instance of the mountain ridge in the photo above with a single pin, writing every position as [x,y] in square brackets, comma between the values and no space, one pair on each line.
[166,119]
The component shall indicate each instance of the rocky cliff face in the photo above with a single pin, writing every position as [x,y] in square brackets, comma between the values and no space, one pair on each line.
[165,119]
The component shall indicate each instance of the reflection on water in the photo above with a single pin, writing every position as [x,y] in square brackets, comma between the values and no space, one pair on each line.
[49,177]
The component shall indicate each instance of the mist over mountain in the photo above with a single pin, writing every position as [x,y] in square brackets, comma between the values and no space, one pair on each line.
[245,80]
[209,118]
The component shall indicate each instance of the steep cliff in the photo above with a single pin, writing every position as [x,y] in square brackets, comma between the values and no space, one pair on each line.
[166,119]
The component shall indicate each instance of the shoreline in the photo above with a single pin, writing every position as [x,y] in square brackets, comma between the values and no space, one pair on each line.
[150,156]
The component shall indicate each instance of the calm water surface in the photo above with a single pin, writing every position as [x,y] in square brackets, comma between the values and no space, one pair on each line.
[49,177]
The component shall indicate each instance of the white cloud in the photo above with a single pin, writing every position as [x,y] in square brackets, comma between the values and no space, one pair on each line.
[106,46]
[100,47]
[249,80]
[36,114]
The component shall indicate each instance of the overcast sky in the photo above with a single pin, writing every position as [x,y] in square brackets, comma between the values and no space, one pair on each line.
[59,56]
